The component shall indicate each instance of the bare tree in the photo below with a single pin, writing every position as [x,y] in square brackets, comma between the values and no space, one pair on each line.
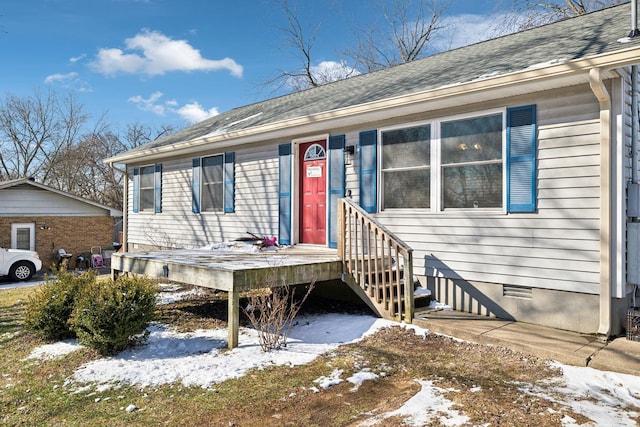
[408,27]
[301,41]
[523,14]
[79,168]
[34,129]
[404,37]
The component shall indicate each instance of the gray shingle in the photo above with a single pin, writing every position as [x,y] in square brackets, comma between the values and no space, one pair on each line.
[570,39]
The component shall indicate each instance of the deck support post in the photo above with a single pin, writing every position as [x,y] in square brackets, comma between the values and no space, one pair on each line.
[233,319]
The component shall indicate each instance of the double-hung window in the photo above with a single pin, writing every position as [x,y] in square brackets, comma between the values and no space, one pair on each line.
[471,162]
[406,167]
[147,188]
[213,183]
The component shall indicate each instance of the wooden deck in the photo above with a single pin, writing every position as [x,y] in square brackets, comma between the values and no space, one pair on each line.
[233,271]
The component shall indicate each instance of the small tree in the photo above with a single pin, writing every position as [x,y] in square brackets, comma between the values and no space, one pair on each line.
[271,312]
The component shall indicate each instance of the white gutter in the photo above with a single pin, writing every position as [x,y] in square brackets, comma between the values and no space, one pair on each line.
[125,208]
[604,99]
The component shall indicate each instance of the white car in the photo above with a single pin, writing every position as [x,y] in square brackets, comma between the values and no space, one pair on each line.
[19,264]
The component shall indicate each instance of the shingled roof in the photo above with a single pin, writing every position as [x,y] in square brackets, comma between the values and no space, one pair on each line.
[581,37]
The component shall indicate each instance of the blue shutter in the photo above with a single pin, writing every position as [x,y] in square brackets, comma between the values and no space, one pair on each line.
[521,159]
[368,170]
[195,185]
[336,184]
[284,194]
[157,190]
[229,182]
[136,189]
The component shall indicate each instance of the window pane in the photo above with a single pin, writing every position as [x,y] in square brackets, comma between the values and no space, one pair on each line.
[474,186]
[146,177]
[23,238]
[407,189]
[472,140]
[212,169]
[212,197]
[406,147]
[146,199]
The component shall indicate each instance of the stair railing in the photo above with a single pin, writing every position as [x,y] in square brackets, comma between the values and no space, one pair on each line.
[377,260]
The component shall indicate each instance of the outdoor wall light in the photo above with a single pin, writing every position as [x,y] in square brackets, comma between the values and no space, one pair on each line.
[349,151]
[44,227]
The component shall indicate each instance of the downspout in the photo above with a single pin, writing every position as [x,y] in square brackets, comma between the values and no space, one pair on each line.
[604,99]
[125,208]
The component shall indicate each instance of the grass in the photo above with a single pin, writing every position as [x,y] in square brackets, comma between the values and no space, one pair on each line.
[485,381]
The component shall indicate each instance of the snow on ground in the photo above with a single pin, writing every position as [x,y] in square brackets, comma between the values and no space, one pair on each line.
[201,359]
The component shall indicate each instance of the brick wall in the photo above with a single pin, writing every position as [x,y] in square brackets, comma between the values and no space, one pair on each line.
[76,234]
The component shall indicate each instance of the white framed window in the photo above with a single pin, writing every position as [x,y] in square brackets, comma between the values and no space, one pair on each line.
[406,167]
[147,188]
[449,163]
[212,183]
[471,162]
[23,236]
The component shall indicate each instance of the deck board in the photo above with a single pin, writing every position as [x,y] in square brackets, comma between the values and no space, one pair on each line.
[232,271]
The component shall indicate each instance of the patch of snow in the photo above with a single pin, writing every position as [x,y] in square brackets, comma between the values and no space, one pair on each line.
[170,297]
[419,292]
[55,350]
[435,305]
[546,64]
[333,379]
[359,377]
[427,406]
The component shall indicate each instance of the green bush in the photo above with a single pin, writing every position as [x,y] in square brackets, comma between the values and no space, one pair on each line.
[50,306]
[110,316]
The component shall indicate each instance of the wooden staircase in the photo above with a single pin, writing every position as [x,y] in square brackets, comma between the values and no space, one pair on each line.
[376,264]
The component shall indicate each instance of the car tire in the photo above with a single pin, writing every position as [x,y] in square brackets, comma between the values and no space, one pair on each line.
[21,271]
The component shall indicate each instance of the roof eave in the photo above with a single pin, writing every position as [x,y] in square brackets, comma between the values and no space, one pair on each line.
[543,77]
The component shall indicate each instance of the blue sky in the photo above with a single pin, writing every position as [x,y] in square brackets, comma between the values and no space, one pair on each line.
[175,61]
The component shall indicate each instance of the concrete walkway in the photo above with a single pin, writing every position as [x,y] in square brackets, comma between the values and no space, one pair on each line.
[571,348]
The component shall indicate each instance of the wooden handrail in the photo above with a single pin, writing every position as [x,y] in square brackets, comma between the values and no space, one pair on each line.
[379,262]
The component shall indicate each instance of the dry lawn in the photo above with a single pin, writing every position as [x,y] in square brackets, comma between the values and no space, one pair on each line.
[485,382]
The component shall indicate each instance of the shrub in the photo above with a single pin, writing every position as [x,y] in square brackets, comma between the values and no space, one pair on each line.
[50,306]
[110,316]
[271,312]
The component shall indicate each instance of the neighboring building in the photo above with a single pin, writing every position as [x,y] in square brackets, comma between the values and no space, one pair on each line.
[509,166]
[37,217]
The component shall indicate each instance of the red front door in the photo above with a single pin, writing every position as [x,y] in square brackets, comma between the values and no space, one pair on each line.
[313,194]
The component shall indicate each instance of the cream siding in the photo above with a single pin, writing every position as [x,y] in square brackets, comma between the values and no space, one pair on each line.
[256,207]
[555,248]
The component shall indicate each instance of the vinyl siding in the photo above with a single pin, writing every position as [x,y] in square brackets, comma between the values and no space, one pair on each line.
[557,247]
[256,208]
[26,200]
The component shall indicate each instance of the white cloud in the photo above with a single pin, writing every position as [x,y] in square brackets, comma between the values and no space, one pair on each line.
[75,59]
[54,78]
[192,112]
[153,53]
[69,81]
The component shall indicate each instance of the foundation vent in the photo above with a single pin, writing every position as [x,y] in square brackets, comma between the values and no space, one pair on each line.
[521,292]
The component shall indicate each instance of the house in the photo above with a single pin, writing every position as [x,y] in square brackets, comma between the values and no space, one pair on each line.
[510,167]
[37,217]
